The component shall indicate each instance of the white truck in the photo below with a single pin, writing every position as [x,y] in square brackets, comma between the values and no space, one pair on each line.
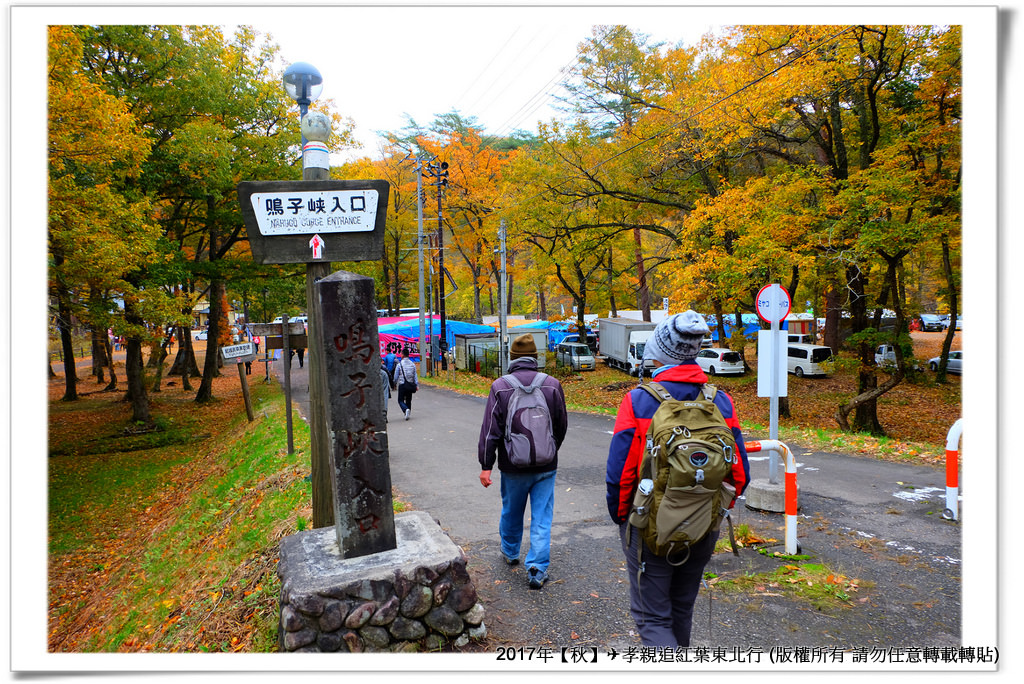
[621,342]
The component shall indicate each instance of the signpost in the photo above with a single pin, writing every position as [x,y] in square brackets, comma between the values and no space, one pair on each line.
[299,222]
[285,336]
[241,353]
[773,305]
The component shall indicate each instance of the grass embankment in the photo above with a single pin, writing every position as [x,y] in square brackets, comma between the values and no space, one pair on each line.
[167,540]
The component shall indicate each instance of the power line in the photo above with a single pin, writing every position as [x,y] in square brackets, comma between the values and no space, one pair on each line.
[498,211]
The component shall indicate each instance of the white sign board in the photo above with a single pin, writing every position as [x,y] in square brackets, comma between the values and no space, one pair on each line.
[298,212]
[768,344]
[236,351]
[773,303]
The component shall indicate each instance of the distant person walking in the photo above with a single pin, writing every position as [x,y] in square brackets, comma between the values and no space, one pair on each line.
[407,382]
[390,361]
[663,589]
[385,381]
[524,424]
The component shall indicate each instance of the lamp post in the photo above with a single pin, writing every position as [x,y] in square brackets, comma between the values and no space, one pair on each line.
[303,83]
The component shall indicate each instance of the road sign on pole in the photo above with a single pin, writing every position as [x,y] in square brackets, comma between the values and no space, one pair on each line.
[239,351]
[773,305]
[340,220]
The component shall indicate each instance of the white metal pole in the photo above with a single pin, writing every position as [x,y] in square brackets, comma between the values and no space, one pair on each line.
[773,424]
[952,511]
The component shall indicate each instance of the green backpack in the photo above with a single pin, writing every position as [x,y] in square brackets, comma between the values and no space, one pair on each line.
[683,493]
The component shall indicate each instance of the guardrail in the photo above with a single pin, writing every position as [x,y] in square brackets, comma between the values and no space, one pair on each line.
[953,471]
[792,547]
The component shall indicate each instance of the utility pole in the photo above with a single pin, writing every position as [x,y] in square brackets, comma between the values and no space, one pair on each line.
[424,350]
[439,171]
[503,317]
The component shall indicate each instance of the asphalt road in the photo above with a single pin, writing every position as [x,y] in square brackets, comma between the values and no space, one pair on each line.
[875,521]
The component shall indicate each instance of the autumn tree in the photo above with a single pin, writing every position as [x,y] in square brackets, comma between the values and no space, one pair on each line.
[101,238]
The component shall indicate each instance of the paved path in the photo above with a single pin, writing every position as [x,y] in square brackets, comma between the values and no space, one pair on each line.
[875,521]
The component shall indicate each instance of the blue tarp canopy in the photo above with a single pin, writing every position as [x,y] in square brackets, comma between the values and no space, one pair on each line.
[557,330]
[411,328]
[751,324]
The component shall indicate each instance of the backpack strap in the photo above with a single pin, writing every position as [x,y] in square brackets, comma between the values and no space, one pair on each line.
[657,391]
[710,391]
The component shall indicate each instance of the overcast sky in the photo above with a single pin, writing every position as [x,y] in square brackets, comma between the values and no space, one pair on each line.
[500,65]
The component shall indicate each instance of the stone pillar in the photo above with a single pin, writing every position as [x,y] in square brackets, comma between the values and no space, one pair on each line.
[364,520]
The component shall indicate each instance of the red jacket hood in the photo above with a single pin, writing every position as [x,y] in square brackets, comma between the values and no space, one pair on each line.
[684,372]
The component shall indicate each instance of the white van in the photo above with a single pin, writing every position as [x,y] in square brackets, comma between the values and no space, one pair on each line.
[809,359]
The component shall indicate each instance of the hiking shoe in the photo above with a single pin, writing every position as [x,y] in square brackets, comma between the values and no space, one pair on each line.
[537,578]
[407,412]
[510,561]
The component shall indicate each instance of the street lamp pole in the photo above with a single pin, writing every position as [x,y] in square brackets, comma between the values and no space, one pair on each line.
[303,83]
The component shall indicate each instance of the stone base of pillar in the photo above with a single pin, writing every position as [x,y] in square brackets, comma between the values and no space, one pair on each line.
[417,597]
[762,495]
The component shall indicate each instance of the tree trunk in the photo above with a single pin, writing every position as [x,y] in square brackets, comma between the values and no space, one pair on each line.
[951,284]
[833,318]
[109,346]
[99,355]
[185,359]
[720,320]
[643,295]
[64,325]
[866,417]
[613,309]
[136,380]
[210,366]
[161,355]
[134,367]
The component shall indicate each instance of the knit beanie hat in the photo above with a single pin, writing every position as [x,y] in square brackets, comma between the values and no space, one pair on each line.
[676,339]
[523,346]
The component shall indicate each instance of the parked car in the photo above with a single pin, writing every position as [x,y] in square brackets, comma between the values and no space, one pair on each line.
[885,357]
[932,323]
[799,339]
[809,359]
[200,334]
[576,355]
[718,361]
[953,362]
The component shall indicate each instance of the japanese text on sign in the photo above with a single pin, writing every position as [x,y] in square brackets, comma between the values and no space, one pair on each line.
[327,211]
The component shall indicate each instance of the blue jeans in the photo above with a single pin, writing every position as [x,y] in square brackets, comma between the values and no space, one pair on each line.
[515,489]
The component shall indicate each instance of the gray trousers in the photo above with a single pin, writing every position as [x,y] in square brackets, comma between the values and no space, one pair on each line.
[661,599]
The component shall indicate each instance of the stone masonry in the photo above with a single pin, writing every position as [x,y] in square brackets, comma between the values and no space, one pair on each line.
[418,597]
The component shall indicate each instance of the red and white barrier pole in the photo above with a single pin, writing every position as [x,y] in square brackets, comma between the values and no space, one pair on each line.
[952,471]
[790,491]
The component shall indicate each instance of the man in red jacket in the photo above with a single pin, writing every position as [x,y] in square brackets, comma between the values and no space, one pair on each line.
[662,595]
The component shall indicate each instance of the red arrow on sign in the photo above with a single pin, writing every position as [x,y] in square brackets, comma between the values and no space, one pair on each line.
[317,243]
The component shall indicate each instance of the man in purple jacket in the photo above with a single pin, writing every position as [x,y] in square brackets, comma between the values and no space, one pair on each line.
[526,450]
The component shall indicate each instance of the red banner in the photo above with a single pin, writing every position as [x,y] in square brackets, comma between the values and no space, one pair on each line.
[395,343]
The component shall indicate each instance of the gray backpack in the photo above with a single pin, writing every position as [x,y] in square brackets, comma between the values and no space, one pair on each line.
[529,438]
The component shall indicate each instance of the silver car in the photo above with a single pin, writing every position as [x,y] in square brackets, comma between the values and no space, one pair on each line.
[953,364]
[575,354]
